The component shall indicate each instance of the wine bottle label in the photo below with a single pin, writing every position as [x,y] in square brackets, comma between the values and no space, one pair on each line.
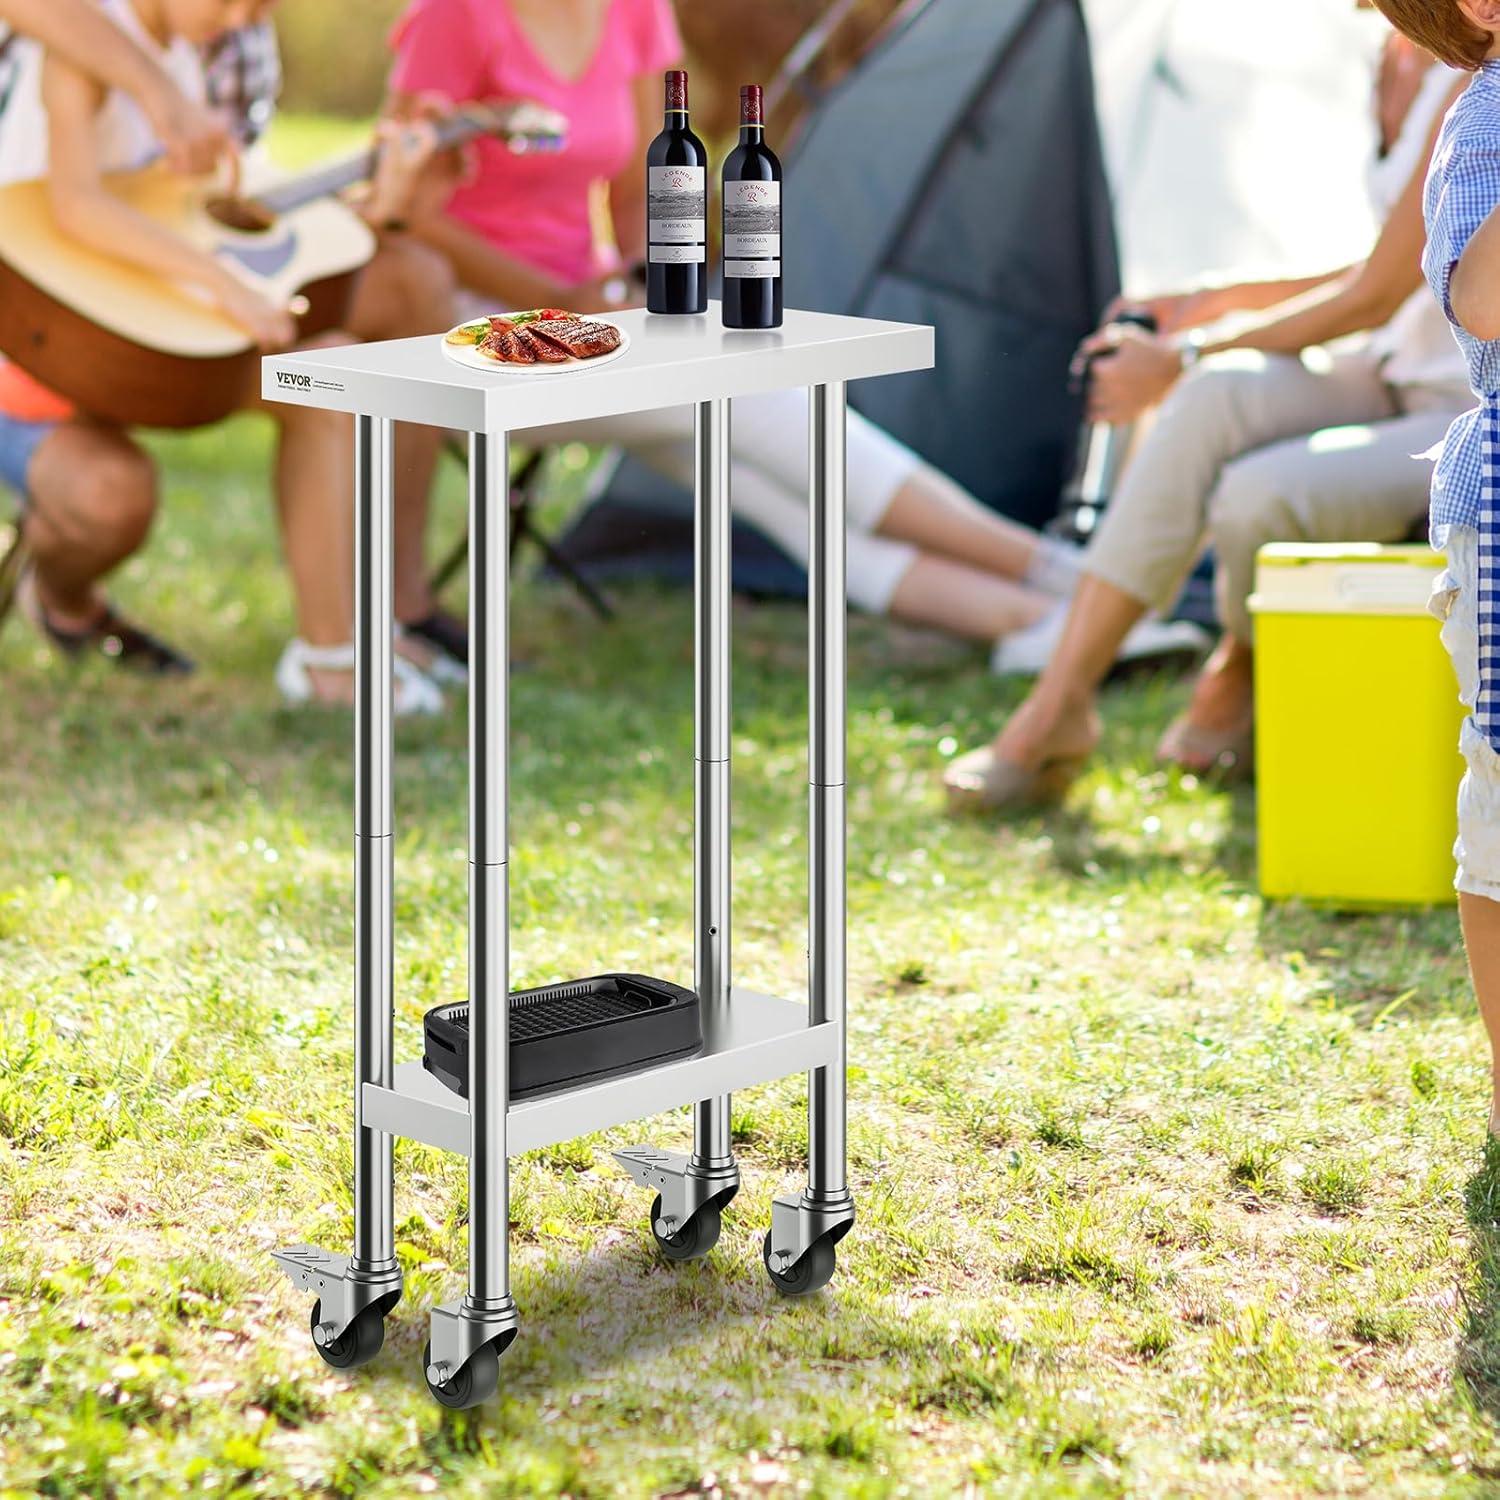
[752,225]
[677,255]
[752,270]
[678,208]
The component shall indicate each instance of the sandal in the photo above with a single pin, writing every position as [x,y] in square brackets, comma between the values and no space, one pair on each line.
[1226,754]
[118,640]
[413,692]
[982,782]
[443,644]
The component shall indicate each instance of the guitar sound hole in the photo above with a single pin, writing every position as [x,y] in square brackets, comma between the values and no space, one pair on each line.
[240,214]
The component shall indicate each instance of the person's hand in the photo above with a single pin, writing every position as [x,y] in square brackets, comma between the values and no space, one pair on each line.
[405,150]
[194,137]
[611,293]
[422,178]
[269,324]
[1173,311]
[1130,370]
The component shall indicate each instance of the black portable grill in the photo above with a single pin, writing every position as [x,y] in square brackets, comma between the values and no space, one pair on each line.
[579,1031]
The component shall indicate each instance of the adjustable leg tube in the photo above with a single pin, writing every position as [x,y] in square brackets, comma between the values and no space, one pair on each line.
[487,1314]
[828,608]
[345,1330]
[712,1153]
[799,1249]
[374,1234]
[692,1189]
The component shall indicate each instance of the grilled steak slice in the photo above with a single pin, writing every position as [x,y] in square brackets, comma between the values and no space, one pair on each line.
[545,353]
[580,337]
[503,345]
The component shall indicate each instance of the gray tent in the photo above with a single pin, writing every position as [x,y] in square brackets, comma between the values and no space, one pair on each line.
[954,177]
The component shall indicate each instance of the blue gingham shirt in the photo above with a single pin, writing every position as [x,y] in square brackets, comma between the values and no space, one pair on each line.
[1463,188]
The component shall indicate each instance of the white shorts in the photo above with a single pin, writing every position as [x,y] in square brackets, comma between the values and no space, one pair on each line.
[1455,601]
[769,455]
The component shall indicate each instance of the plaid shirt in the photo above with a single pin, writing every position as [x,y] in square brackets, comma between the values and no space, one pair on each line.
[8,68]
[242,79]
[1463,188]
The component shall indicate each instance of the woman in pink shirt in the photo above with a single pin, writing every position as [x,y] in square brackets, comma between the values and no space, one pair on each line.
[558,228]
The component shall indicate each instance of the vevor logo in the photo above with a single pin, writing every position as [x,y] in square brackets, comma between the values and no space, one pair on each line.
[290,377]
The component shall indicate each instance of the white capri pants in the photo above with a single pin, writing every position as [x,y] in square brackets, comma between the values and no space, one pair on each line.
[1455,601]
[769,454]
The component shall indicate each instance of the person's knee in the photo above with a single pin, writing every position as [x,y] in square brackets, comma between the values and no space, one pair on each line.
[119,497]
[428,285]
[101,498]
[1252,504]
[1213,396]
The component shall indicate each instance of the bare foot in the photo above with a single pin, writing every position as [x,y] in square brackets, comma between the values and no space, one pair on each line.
[1046,729]
[1224,695]
[332,685]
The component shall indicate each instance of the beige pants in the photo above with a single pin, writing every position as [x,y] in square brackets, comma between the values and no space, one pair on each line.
[1254,448]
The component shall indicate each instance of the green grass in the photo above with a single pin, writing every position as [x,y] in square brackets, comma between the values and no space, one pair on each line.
[1160,1193]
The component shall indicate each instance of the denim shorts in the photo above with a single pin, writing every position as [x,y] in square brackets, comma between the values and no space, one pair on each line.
[18,442]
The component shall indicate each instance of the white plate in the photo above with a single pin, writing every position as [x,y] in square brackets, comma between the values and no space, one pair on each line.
[470,358]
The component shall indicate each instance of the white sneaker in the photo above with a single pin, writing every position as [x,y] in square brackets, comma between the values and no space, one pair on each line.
[412,691]
[1024,653]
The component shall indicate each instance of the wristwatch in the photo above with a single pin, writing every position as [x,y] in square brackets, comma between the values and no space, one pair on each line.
[1190,348]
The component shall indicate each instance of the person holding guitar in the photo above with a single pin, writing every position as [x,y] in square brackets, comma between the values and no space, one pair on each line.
[406,289]
[91,491]
[192,136]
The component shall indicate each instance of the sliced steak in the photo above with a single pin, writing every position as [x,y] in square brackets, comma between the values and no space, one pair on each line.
[503,345]
[580,337]
[542,351]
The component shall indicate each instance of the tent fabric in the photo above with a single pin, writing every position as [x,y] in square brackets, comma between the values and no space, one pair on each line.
[955,177]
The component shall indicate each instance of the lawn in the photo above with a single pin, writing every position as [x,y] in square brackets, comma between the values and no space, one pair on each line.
[1161,1191]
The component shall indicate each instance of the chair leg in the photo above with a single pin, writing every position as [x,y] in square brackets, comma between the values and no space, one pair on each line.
[12,562]
[565,567]
[523,527]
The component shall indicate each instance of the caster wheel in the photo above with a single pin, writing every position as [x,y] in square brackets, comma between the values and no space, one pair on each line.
[694,1239]
[358,1344]
[806,1276]
[472,1384]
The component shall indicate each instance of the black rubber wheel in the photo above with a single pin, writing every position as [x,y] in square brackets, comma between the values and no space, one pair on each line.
[806,1276]
[472,1384]
[695,1239]
[358,1344]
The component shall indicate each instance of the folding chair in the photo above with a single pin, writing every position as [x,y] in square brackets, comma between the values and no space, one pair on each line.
[12,561]
[525,494]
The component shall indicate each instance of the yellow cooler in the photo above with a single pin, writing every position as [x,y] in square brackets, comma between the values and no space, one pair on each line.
[1357,720]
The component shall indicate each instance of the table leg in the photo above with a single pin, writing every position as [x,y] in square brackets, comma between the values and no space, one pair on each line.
[355,1292]
[827,692]
[466,1336]
[712,1152]
[691,1190]
[374,825]
[799,1250]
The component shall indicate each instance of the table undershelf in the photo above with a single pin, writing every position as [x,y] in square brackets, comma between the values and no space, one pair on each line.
[761,1038]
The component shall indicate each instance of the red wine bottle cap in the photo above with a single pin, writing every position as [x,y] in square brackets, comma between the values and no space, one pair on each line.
[677,89]
[752,108]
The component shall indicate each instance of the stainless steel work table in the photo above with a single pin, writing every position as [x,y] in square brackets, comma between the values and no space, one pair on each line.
[749,1038]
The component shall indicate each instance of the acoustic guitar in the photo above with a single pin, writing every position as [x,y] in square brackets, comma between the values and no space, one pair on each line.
[132,348]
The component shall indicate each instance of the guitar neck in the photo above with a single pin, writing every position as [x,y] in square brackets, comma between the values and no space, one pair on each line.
[324,182]
[345,171]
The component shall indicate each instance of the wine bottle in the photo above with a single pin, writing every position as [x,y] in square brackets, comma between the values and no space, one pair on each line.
[677,216]
[752,223]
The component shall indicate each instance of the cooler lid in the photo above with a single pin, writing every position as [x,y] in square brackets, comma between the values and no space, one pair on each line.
[1344,578]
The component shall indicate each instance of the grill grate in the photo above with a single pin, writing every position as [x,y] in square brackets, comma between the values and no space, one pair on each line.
[580,1029]
[565,1007]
